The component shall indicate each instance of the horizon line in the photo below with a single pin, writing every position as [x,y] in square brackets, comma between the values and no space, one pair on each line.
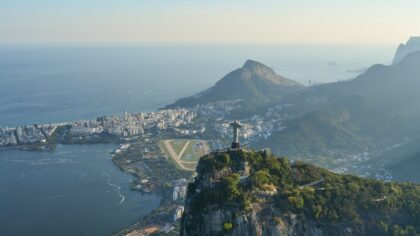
[193,44]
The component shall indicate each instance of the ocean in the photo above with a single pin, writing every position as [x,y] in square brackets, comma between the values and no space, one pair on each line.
[77,190]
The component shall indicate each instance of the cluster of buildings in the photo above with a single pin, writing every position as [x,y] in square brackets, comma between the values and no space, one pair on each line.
[85,128]
[278,111]
[122,148]
[179,194]
[217,109]
[133,124]
[26,135]
[180,190]
[30,135]
[252,129]
[7,137]
[190,131]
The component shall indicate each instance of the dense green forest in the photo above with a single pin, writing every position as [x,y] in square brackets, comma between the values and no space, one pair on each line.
[331,200]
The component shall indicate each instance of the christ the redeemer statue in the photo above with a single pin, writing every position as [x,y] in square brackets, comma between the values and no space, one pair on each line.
[236,126]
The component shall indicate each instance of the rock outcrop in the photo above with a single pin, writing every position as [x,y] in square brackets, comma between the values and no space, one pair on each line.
[412,45]
[278,198]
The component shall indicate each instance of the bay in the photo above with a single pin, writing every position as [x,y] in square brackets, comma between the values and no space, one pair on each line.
[75,190]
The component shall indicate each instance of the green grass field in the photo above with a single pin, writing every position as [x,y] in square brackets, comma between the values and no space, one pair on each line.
[194,151]
[167,154]
[177,145]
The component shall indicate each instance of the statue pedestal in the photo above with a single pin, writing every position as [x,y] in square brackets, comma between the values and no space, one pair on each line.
[235,145]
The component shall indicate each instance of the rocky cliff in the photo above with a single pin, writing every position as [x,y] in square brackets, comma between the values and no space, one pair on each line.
[246,192]
[261,220]
[412,45]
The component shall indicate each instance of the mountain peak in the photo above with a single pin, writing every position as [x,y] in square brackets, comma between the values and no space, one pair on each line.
[254,83]
[412,45]
[258,68]
[261,71]
[251,64]
[414,39]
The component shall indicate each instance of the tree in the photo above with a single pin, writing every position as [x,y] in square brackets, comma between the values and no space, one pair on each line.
[227,226]
[260,178]
[230,186]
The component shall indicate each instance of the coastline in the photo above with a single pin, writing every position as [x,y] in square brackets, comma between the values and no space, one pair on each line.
[158,181]
[138,155]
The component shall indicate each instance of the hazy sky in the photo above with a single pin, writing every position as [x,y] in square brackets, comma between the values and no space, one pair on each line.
[210,21]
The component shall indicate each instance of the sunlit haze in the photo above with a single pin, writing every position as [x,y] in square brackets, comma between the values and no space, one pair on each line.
[209,22]
[210,117]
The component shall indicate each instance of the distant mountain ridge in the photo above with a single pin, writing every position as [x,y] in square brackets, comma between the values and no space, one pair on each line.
[254,83]
[378,109]
[246,192]
[412,45]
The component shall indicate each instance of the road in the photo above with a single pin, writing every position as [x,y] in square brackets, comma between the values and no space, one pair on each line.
[313,183]
[183,150]
[176,157]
